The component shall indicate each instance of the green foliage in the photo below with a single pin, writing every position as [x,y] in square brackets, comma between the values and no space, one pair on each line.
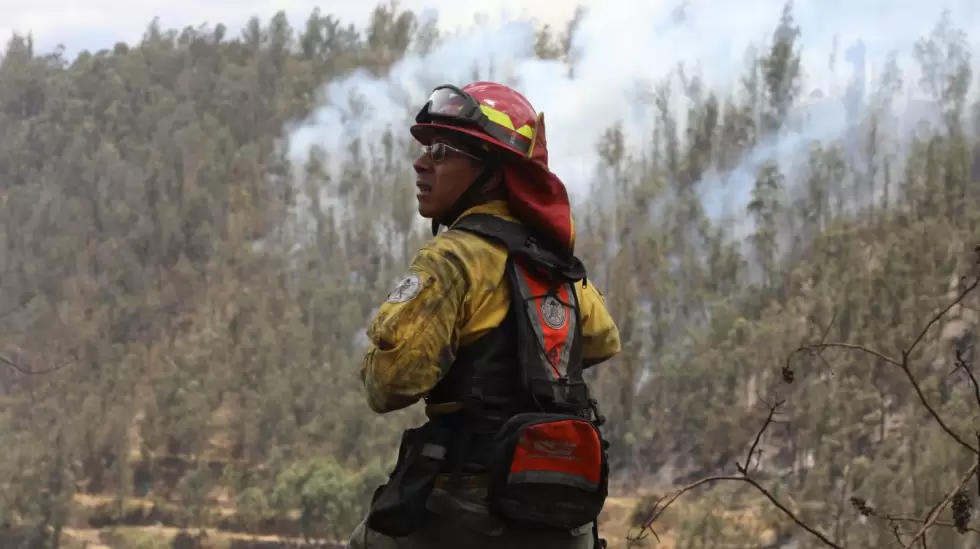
[329,499]
[253,507]
[149,219]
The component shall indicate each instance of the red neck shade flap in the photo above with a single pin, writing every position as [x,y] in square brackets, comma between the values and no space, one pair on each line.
[538,197]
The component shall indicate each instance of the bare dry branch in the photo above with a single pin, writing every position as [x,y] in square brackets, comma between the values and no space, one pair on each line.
[933,515]
[815,349]
[671,498]
[961,364]
[959,298]
[940,523]
[20,304]
[27,371]
[895,521]
[666,501]
[758,436]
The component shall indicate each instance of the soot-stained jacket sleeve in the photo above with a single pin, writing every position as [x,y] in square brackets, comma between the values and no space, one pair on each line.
[600,335]
[414,335]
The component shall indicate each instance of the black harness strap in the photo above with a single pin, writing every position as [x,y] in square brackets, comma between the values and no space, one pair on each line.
[560,268]
[519,242]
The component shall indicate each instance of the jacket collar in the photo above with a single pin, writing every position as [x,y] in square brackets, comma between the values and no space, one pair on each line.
[498,208]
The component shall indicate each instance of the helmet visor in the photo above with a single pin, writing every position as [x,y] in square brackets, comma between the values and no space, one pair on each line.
[451,103]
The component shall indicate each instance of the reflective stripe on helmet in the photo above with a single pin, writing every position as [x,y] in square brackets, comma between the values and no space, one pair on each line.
[503,119]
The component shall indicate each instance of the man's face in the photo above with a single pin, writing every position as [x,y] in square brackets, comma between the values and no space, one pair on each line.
[444,172]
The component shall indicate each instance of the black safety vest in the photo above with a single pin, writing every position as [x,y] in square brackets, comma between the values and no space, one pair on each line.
[532,361]
[527,421]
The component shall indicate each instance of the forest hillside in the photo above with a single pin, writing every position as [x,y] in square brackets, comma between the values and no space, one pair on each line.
[187,277]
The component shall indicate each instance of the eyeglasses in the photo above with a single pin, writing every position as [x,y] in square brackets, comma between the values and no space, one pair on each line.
[437,152]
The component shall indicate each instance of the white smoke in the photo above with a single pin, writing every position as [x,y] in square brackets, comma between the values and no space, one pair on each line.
[622,49]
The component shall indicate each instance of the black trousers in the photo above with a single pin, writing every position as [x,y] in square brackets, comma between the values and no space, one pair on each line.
[461,520]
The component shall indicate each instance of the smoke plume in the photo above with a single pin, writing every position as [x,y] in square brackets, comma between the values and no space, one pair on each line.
[621,50]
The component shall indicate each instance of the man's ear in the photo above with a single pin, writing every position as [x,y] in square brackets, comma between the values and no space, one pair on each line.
[498,179]
[496,183]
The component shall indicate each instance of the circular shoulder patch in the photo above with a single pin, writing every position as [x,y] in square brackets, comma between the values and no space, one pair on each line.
[406,289]
[553,313]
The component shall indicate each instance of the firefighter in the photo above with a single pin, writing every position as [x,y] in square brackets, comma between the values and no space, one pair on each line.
[455,332]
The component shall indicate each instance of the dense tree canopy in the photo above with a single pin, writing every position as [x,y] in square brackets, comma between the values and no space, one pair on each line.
[170,345]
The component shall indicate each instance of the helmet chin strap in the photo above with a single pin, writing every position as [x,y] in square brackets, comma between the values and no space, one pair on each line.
[466,200]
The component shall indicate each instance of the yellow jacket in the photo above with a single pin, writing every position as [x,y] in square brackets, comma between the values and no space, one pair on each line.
[455,291]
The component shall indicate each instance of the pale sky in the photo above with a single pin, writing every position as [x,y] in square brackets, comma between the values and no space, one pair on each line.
[94,24]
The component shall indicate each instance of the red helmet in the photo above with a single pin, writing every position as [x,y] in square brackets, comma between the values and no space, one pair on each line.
[490,112]
[503,118]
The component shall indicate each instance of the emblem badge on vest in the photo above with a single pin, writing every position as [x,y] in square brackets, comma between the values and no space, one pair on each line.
[553,312]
